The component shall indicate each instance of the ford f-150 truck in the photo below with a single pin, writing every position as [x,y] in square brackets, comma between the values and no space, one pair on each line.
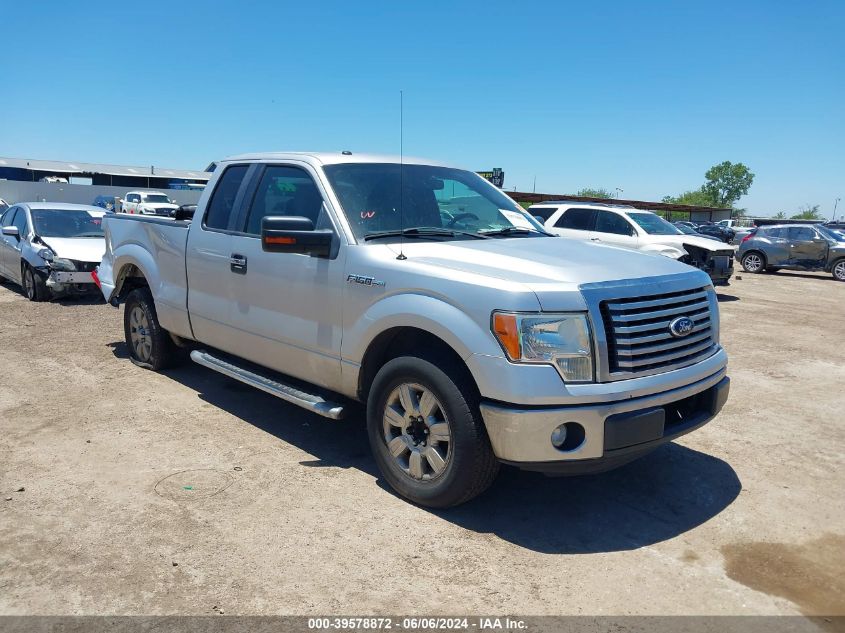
[472,335]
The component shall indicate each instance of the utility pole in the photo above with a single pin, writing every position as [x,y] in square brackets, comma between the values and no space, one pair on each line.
[835,203]
[534,189]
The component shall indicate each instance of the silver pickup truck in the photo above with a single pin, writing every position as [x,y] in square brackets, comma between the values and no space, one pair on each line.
[472,335]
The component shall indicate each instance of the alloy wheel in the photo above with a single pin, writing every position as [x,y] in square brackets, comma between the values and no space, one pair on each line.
[752,263]
[839,270]
[139,334]
[417,432]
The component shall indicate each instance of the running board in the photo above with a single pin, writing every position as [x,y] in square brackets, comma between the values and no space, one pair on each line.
[311,402]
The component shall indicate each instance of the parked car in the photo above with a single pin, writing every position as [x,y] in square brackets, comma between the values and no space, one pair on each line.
[109,203]
[736,224]
[148,203]
[627,227]
[472,334]
[686,223]
[51,248]
[724,234]
[3,205]
[684,228]
[794,247]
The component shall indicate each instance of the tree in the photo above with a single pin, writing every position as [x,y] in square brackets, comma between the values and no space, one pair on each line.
[696,198]
[594,193]
[727,183]
[780,215]
[808,212]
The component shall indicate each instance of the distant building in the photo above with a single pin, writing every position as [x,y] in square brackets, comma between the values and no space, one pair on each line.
[152,177]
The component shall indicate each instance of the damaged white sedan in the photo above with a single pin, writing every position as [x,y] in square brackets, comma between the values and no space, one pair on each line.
[51,249]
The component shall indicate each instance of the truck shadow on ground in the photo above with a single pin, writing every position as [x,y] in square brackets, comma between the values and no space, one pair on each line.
[656,498]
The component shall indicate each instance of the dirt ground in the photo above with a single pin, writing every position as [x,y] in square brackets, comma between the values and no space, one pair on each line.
[128,492]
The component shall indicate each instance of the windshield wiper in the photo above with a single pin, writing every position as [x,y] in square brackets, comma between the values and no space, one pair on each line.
[422,232]
[513,230]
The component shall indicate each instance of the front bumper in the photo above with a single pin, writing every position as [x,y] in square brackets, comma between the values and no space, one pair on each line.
[720,268]
[614,432]
[65,278]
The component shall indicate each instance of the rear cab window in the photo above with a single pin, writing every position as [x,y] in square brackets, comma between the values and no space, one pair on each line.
[223,198]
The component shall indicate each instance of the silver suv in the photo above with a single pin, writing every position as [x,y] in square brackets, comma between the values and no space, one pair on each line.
[794,247]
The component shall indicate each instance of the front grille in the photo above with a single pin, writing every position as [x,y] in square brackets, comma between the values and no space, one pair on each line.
[638,337]
[85,267]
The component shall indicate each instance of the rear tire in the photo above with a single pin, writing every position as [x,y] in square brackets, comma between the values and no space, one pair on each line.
[753,262]
[838,270]
[149,344]
[426,432]
[34,286]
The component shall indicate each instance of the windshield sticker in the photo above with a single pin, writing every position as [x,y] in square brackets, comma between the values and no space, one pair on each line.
[517,219]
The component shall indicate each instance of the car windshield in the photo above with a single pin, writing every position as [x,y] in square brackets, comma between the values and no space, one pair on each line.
[837,236]
[156,197]
[436,202]
[654,224]
[66,223]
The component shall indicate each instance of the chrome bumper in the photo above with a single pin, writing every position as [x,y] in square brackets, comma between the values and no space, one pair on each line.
[615,432]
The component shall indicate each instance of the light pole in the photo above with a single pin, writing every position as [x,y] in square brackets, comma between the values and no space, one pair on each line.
[618,191]
[835,203]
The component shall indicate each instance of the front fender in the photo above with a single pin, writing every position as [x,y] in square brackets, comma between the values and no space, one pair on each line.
[665,250]
[446,321]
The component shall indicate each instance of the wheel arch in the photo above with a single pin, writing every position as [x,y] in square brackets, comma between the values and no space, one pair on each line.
[755,251]
[408,341]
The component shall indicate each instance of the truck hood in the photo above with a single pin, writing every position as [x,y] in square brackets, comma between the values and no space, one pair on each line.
[542,263]
[82,249]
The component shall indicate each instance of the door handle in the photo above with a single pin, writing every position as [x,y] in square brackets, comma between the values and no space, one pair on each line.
[595,239]
[237,263]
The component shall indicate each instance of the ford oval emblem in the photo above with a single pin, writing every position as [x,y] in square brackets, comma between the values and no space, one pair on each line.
[681,326]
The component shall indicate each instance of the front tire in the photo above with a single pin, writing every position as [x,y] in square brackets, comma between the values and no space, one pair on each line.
[426,433]
[838,270]
[34,287]
[753,262]
[150,345]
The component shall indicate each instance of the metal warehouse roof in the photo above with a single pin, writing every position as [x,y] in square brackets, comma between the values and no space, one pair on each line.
[61,167]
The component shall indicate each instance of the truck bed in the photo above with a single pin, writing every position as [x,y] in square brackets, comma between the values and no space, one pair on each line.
[156,247]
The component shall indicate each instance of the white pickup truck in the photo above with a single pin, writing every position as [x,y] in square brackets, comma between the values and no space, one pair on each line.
[472,335]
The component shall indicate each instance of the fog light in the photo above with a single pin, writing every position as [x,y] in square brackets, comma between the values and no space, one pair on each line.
[559,436]
[568,436]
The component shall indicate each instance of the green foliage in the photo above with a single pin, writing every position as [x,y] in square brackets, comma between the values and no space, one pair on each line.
[780,215]
[696,198]
[727,183]
[594,193]
[808,212]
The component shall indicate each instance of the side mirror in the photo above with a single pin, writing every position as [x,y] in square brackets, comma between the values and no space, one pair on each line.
[12,231]
[294,234]
[185,212]
[540,220]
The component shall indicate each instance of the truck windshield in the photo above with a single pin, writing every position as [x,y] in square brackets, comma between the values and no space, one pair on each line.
[654,224]
[836,236]
[156,197]
[459,201]
[66,223]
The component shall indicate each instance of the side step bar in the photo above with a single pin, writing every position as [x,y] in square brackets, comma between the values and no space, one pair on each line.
[311,402]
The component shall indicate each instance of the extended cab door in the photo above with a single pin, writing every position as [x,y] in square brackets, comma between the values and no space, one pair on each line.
[806,247]
[286,309]
[614,229]
[208,260]
[576,223]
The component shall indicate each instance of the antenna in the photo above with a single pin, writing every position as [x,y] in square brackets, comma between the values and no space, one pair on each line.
[401,255]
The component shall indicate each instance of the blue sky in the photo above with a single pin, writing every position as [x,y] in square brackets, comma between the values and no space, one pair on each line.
[643,96]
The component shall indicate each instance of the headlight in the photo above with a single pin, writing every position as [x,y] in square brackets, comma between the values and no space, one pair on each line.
[561,340]
[46,254]
[63,265]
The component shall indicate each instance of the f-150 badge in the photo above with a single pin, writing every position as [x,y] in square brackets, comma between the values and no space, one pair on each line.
[363,280]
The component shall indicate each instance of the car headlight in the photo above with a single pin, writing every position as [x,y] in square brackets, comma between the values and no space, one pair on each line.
[560,340]
[46,254]
[63,265]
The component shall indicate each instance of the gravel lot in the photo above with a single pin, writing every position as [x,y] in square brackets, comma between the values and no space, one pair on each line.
[128,492]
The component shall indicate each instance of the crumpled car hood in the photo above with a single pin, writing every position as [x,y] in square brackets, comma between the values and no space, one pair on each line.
[83,249]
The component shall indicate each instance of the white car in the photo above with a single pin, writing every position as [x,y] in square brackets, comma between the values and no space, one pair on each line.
[627,227]
[51,248]
[148,203]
